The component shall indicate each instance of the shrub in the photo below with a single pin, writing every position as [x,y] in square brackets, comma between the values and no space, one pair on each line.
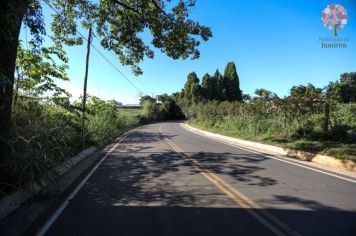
[297,117]
[46,134]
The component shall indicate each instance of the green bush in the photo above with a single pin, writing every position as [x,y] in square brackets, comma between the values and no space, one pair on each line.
[45,135]
[288,117]
[344,114]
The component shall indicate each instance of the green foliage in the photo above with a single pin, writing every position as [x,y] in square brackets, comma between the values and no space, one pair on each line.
[169,108]
[232,83]
[221,89]
[209,86]
[102,120]
[216,87]
[46,134]
[305,91]
[165,109]
[151,110]
[36,71]
[309,119]
[343,90]
[348,87]
[146,98]
[291,117]
[344,114]
[264,94]
[192,88]
[283,123]
[33,19]
[119,25]
[46,130]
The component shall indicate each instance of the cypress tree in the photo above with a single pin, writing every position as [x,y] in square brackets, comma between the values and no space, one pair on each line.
[214,90]
[221,93]
[207,86]
[232,83]
[192,88]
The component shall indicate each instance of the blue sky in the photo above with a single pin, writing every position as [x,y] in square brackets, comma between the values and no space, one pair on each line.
[275,45]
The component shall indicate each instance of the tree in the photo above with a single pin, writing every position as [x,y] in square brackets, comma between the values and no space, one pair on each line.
[232,83]
[348,87]
[118,25]
[333,92]
[150,109]
[145,98]
[36,71]
[208,87]
[192,88]
[305,91]
[246,98]
[220,86]
[264,94]
[169,108]
[11,15]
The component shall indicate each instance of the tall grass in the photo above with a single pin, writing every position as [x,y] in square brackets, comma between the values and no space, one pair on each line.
[45,135]
[285,123]
[259,117]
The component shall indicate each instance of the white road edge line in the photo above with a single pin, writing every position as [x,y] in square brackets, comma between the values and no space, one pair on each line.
[61,208]
[275,158]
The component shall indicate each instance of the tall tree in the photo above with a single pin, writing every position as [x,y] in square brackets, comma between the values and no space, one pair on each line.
[208,87]
[232,83]
[220,86]
[118,24]
[192,88]
[348,87]
[11,15]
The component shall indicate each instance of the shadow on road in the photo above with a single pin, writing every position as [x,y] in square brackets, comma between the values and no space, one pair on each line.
[140,191]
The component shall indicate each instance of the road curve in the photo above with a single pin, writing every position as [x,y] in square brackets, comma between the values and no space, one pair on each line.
[164,180]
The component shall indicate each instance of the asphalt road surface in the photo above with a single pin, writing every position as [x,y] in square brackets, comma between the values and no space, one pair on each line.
[164,180]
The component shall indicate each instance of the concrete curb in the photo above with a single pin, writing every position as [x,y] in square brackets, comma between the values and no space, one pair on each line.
[269,149]
[10,203]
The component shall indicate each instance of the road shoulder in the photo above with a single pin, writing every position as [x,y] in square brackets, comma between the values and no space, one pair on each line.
[31,214]
[275,152]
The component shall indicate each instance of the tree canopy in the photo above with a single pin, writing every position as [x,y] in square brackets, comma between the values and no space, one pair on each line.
[305,91]
[232,83]
[215,87]
[192,88]
[36,71]
[119,26]
[348,87]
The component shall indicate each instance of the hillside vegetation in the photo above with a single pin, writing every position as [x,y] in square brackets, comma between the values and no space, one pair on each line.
[320,120]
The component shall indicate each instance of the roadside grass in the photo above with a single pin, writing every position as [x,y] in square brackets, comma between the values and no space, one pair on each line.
[336,149]
[46,135]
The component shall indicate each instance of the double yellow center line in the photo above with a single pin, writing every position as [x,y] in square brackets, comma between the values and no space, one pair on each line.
[271,222]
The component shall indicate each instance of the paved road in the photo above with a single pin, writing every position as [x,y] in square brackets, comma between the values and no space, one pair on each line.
[165,180]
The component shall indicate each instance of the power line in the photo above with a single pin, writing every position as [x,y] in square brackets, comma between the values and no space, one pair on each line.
[123,75]
[143,85]
[101,54]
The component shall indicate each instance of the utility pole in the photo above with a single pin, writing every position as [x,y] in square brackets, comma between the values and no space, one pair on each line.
[85,88]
